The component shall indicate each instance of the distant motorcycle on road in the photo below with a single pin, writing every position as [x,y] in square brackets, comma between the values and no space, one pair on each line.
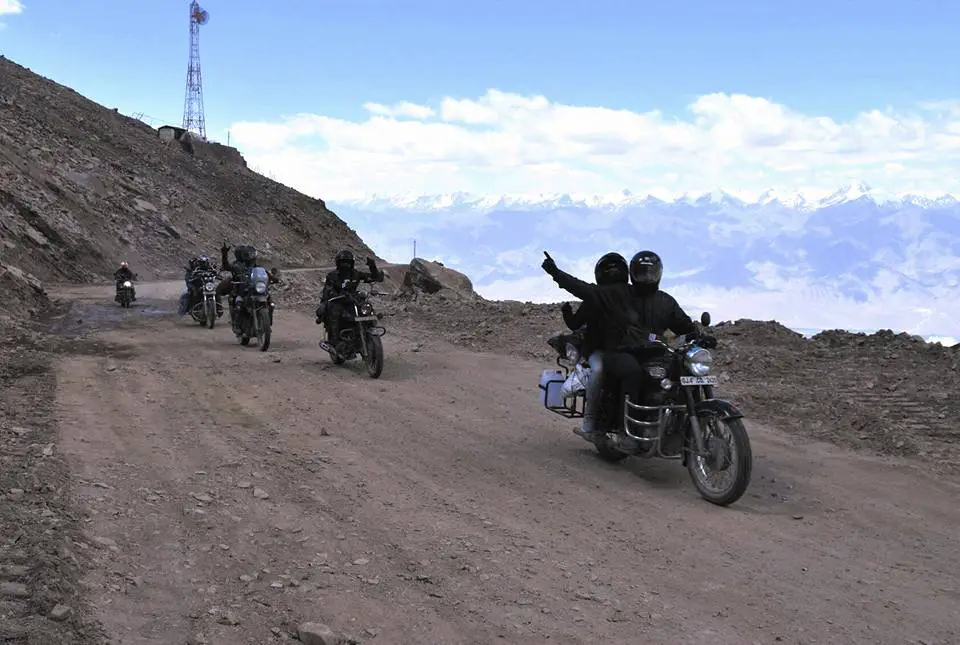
[125,292]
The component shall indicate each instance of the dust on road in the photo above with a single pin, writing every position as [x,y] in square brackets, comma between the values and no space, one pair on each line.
[230,495]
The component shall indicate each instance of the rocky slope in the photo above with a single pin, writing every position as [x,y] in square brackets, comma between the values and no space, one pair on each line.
[83,187]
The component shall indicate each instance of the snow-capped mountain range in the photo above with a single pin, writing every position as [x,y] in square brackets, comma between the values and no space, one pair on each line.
[625,199]
[854,258]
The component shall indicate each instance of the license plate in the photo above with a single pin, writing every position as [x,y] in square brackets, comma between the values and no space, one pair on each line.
[698,380]
[365,318]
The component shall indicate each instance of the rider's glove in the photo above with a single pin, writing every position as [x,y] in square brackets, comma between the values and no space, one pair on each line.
[549,266]
[371,264]
[566,309]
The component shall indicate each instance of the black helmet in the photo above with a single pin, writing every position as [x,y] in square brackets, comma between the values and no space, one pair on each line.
[611,269]
[251,254]
[345,259]
[646,269]
[239,253]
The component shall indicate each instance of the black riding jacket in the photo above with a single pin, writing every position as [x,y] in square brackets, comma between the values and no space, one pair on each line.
[239,270]
[123,274]
[333,284]
[625,318]
[585,314]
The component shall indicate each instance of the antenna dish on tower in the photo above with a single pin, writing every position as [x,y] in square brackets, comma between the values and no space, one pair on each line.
[198,15]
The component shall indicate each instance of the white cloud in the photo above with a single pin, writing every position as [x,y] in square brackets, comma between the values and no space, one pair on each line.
[794,302]
[509,143]
[10,7]
[401,109]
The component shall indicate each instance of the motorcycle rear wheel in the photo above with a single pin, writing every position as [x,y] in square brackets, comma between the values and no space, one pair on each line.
[700,468]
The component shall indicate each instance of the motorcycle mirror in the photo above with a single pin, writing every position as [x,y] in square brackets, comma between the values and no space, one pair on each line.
[705,319]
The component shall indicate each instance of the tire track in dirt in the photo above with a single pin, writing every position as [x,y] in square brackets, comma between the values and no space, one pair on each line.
[442,504]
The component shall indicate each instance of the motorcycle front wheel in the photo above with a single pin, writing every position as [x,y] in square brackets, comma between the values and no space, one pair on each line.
[374,357]
[263,330]
[211,313]
[722,476]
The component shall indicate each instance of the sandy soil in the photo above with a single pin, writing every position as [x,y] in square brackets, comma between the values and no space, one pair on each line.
[227,495]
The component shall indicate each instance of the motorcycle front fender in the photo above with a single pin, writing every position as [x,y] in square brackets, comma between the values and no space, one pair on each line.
[721,407]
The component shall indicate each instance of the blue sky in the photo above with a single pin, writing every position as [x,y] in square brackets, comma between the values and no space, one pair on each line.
[828,57]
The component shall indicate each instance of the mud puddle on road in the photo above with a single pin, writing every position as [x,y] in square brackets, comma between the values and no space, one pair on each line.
[79,317]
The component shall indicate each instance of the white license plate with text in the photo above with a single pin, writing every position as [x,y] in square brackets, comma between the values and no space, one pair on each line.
[364,318]
[698,380]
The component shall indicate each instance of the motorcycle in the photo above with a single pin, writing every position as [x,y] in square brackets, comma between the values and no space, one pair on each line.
[253,309]
[124,293]
[358,330]
[678,416]
[206,310]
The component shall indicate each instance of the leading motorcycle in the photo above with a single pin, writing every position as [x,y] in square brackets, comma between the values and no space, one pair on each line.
[253,309]
[360,329]
[678,416]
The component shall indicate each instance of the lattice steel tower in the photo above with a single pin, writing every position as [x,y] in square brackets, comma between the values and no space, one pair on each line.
[193,118]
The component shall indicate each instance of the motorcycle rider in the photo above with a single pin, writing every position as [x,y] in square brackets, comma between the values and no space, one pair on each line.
[627,315]
[122,274]
[245,259]
[192,281]
[331,313]
[611,268]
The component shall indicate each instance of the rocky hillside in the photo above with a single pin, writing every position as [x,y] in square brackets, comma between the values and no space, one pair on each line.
[83,187]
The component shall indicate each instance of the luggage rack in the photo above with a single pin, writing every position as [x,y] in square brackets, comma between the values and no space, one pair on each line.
[571,408]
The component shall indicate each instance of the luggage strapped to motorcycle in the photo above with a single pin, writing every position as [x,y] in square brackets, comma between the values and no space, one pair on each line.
[572,408]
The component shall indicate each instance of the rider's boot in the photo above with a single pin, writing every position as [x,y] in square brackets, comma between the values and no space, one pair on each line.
[587,428]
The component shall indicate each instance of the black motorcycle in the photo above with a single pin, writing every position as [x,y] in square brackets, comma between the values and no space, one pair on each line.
[678,416]
[205,309]
[125,292]
[359,330]
[253,309]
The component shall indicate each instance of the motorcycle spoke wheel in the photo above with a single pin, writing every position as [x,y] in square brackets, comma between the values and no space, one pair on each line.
[723,474]
[263,338]
[374,358]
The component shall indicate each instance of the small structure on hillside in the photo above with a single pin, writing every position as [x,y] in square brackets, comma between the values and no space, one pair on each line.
[170,132]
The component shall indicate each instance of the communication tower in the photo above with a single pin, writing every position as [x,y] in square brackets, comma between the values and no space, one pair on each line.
[193,119]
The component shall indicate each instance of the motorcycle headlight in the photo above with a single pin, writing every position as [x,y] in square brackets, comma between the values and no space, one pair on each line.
[260,287]
[128,284]
[366,309]
[209,286]
[699,361]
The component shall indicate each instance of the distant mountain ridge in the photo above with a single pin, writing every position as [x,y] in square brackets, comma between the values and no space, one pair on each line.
[851,258]
[805,202]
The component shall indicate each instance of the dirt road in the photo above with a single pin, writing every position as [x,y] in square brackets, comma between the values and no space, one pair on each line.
[231,495]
